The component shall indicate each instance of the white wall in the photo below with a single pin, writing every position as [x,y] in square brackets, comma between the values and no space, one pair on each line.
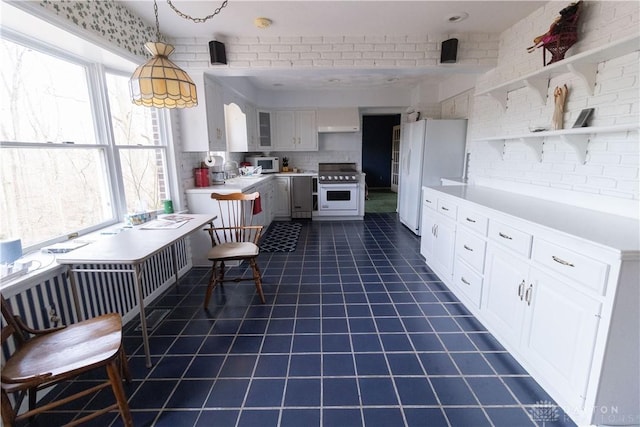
[611,171]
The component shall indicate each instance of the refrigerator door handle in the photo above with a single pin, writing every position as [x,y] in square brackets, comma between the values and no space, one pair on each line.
[406,163]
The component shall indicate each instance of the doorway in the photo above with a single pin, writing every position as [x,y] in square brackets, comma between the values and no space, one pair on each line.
[377,138]
[377,162]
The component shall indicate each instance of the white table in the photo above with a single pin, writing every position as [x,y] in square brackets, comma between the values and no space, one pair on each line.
[129,250]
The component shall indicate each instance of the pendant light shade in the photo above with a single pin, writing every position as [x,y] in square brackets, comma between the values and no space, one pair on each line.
[160,83]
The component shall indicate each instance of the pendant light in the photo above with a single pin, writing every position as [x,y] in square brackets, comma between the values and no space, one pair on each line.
[159,82]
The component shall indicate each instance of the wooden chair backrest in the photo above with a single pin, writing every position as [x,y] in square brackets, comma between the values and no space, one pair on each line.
[236,217]
[13,326]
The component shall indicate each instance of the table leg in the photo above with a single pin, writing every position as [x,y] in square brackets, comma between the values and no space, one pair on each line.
[174,254]
[74,293]
[143,319]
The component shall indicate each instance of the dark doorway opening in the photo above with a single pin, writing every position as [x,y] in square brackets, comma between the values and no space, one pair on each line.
[377,135]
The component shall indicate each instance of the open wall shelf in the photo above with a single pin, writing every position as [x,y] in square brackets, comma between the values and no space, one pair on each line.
[577,138]
[584,65]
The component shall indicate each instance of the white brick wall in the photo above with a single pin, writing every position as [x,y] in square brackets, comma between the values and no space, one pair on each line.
[337,51]
[613,160]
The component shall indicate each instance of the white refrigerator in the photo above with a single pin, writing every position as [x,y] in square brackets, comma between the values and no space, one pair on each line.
[429,150]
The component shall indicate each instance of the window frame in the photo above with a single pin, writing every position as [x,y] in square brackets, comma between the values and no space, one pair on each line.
[104,137]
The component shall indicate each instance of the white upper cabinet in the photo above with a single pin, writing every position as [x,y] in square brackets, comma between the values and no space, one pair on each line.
[264,130]
[194,130]
[296,131]
[202,126]
[252,127]
[215,116]
[236,127]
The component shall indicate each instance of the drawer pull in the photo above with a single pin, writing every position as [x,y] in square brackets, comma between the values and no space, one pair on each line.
[467,248]
[561,261]
[527,295]
[445,209]
[521,290]
[471,220]
[462,279]
[427,201]
[505,236]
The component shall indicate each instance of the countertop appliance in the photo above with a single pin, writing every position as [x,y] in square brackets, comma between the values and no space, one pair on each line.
[301,200]
[268,164]
[429,150]
[217,175]
[338,189]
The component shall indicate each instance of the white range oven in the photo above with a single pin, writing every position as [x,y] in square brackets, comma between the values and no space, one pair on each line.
[338,189]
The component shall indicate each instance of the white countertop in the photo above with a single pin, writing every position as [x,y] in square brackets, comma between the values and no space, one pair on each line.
[617,232]
[243,183]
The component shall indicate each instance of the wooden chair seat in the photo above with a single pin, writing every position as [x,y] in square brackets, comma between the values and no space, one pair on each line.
[42,358]
[233,250]
[74,349]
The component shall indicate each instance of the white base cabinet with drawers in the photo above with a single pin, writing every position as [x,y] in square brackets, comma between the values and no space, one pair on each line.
[438,238]
[556,285]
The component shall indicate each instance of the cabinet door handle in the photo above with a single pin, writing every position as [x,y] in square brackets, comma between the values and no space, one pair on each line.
[521,290]
[462,279]
[561,261]
[527,295]
[433,229]
[436,233]
[467,248]
[471,220]
[505,236]
[444,208]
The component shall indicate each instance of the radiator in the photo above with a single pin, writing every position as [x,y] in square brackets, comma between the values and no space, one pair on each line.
[50,302]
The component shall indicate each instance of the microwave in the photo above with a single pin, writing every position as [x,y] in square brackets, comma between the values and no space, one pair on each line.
[269,164]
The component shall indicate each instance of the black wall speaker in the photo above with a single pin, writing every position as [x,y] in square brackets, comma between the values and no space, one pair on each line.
[449,51]
[217,53]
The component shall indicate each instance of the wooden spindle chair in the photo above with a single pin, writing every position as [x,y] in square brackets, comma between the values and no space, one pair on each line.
[235,240]
[42,358]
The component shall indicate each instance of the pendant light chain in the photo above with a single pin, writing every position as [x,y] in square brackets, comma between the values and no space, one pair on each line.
[155,11]
[191,18]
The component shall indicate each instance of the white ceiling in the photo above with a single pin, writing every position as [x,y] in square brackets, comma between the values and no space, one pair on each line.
[332,18]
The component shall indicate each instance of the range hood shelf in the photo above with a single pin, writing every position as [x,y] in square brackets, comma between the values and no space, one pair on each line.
[338,120]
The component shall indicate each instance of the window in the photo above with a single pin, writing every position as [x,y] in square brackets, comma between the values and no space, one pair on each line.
[139,148]
[72,160]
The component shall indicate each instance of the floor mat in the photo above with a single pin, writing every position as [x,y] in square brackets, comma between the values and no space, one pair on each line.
[281,237]
[381,201]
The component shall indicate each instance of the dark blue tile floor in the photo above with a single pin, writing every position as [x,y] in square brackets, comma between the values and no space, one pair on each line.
[357,331]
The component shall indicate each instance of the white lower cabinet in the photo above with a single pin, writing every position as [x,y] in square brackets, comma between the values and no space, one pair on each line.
[428,237]
[437,242]
[559,334]
[551,323]
[504,295]
[565,305]
[282,198]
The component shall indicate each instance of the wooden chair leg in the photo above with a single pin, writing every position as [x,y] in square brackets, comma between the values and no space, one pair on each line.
[124,365]
[212,284]
[118,390]
[8,415]
[257,277]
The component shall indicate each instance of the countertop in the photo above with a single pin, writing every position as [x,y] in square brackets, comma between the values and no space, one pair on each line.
[244,183]
[613,231]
